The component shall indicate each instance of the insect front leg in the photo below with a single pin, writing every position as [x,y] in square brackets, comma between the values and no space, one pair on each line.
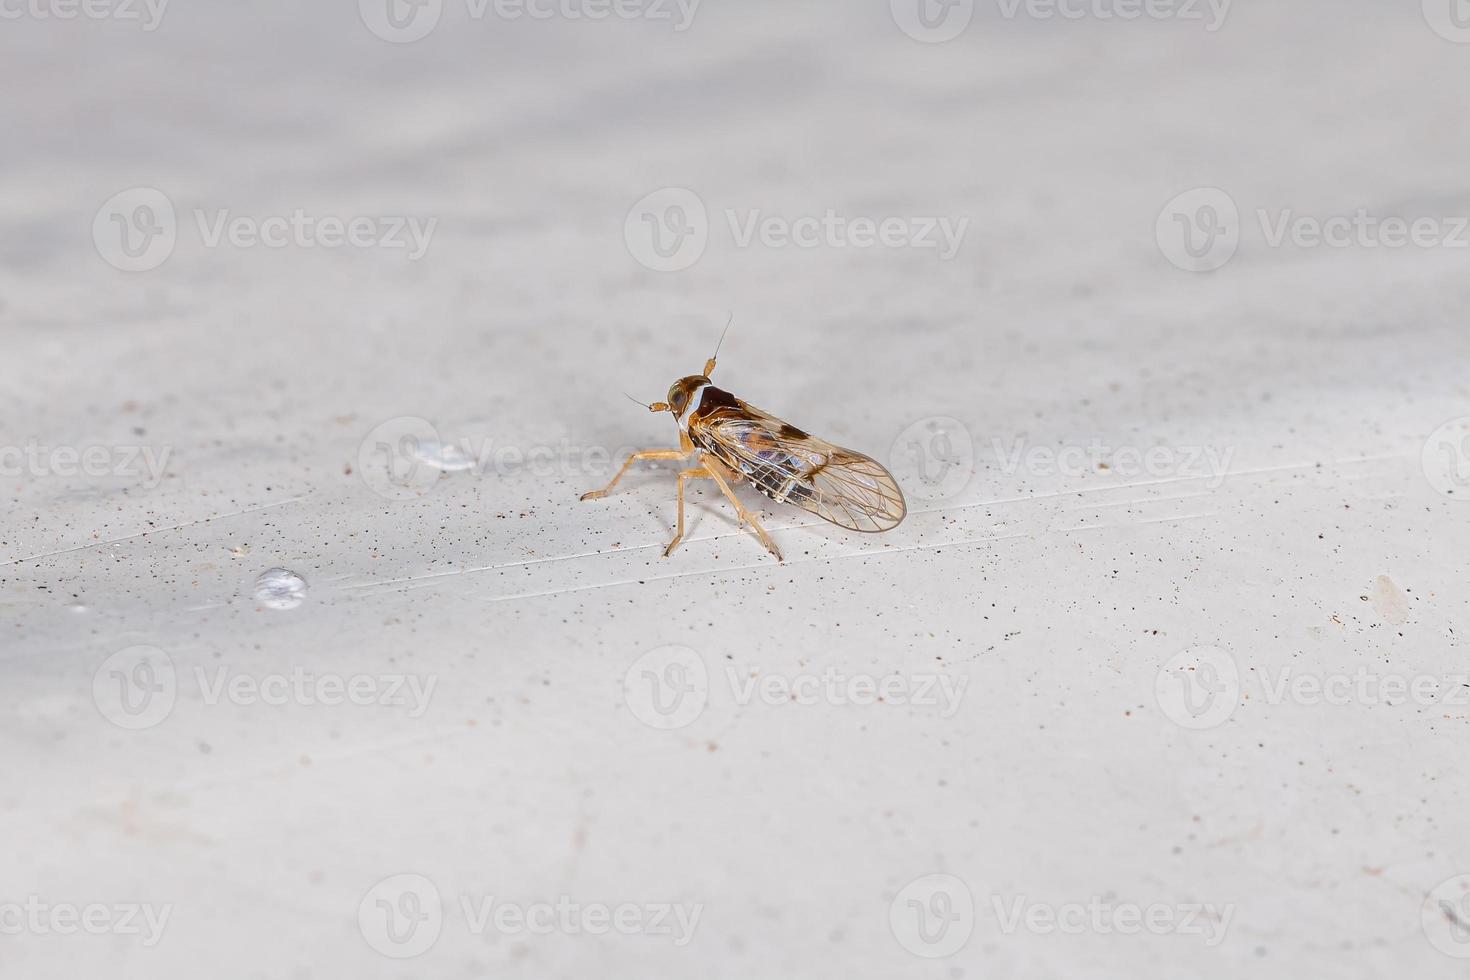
[685,450]
[646,454]
[693,473]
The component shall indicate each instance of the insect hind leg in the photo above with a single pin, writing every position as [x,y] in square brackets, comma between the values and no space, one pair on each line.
[745,515]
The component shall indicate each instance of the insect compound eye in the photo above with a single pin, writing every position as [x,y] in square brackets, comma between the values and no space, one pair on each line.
[679,399]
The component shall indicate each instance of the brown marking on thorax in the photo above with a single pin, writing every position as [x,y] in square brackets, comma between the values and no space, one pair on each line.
[712,400]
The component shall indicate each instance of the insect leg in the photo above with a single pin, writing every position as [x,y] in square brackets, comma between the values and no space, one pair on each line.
[745,515]
[693,473]
[646,454]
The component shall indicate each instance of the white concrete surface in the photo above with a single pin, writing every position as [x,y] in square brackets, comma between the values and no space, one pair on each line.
[1104,747]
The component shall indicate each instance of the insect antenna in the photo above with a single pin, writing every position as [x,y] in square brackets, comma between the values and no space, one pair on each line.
[709,365]
[655,407]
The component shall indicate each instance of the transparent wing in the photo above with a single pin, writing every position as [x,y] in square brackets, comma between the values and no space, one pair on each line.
[791,467]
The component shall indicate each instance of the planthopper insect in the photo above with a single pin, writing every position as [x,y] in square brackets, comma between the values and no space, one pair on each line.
[730,440]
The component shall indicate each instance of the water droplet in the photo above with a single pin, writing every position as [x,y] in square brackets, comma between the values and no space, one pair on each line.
[280,588]
[446,457]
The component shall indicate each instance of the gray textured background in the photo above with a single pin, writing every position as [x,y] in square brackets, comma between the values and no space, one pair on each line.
[1055,598]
